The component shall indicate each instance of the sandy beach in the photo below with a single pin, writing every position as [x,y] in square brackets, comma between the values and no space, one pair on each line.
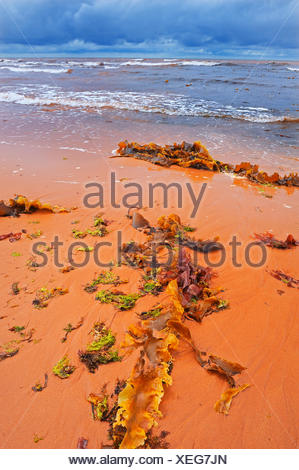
[258,329]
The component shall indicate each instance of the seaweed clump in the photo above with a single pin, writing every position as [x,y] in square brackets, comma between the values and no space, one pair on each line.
[63,369]
[286,278]
[100,350]
[119,299]
[43,296]
[69,328]
[38,387]
[22,205]
[105,278]
[197,156]
[269,240]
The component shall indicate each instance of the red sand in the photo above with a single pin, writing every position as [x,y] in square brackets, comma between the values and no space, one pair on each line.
[259,329]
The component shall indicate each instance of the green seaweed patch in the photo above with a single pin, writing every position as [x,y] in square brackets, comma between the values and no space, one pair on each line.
[85,248]
[36,234]
[17,329]
[43,295]
[99,232]
[99,406]
[153,287]
[69,328]
[63,369]
[106,277]
[152,313]
[15,254]
[222,304]
[78,234]
[9,349]
[119,299]
[187,228]
[99,351]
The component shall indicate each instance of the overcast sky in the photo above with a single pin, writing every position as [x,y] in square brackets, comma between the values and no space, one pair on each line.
[260,29]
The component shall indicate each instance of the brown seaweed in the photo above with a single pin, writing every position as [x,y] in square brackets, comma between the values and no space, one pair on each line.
[82,443]
[69,328]
[224,403]
[12,236]
[38,387]
[269,240]
[197,156]
[22,205]
[288,280]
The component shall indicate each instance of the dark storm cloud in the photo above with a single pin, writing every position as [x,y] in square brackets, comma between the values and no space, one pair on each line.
[185,24]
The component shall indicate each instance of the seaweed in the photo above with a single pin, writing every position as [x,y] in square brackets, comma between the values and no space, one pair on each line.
[63,369]
[78,233]
[8,352]
[269,240]
[38,387]
[15,289]
[224,403]
[106,277]
[69,328]
[43,295]
[119,299]
[37,438]
[151,286]
[34,235]
[99,406]
[85,248]
[223,367]
[22,205]
[99,351]
[11,236]
[32,263]
[152,313]
[82,443]
[66,269]
[139,222]
[197,156]
[17,329]
[285,278]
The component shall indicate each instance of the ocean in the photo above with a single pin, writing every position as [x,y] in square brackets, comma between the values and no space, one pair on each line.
[247,109]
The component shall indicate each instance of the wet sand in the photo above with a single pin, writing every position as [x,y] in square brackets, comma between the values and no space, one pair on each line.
[259,329]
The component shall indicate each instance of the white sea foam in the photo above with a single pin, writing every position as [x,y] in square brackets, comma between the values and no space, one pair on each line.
[170,104]
[32,69]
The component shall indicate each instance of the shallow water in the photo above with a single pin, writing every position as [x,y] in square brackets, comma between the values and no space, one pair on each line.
[243,108]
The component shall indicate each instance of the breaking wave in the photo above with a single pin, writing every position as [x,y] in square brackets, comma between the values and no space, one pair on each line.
[171,104]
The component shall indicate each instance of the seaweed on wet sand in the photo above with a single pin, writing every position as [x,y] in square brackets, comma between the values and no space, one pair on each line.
[100,350]
[224,403]
[38,387]
[15,288]
[69,328]
[63,369]
[22,205]
[99,406]
[121,300]
[152,313]
[268,239]
[105,277]
[43,295]
[197,156]
[288,280]
[82,443]
[11,236]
